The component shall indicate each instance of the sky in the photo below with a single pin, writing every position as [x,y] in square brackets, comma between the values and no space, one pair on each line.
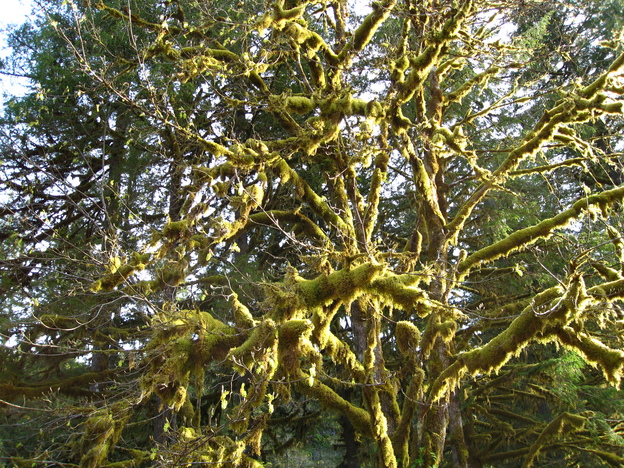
[13,12]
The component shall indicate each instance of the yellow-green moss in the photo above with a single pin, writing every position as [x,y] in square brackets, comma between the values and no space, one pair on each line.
[298,104]
[343,284]
[407,337]
[561,425]
[397,291]
[253,348]
[527,236]
[175,229]
[359,417]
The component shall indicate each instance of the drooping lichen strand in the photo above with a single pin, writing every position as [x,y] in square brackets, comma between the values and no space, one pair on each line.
[527,236]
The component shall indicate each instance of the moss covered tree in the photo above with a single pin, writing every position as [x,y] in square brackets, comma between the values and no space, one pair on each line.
[227,224]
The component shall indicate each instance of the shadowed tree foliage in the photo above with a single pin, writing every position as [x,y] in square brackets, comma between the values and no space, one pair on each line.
[388,233]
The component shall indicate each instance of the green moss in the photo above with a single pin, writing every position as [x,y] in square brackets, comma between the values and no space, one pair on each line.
[527,236]
[563,424]
[99,437]
[110,282]
[367,28]
[261,339]
[293,336]
[343,284]
[407,337]
[58,321]
[175,229]
[398,292]
[359,417]
[610,361]
[374,110]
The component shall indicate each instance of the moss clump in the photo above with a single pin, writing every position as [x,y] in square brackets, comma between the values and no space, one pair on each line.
[298,105]
[398,292]
[174,230]
[254,347]
[374,110]
[242,316]
[408,337]
[110,282]
[292,335]
[99,438]
[343,284]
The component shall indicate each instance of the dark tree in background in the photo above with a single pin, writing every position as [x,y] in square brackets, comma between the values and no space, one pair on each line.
[237,233]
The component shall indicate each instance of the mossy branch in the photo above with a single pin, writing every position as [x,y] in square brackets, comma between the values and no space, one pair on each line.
[74,386]
[316,203]
[525,237]
[342,284]
[359,417]
[610,361]
[523,329]
[302,225]
[365,31]
[561,425]
[422,64]
[581,162]
[463,90]
[400,292]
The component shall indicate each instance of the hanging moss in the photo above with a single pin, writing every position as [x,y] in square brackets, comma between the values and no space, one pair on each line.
[493,355]
[367,28]
[609,361]
[292,337]
[298,104]
[341,284]
[398,292]
[101,434]
[254,348]
[407,336]
[73,386]
[110,282]
[563,424]
[527,236]
[175,230]
[359,417]
[242,316]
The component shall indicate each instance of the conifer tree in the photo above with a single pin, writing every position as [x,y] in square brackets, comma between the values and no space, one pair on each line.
[228,227]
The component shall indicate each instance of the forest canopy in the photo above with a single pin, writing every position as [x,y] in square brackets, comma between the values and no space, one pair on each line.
[324,233]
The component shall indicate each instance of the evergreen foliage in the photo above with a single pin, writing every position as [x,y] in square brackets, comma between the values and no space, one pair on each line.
[324,233]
